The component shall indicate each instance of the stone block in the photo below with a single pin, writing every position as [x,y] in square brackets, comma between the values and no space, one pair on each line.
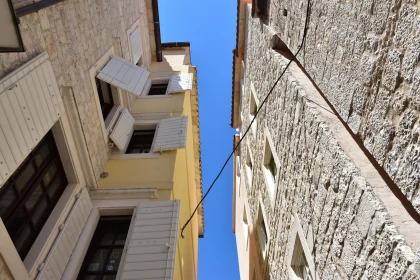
[391,70]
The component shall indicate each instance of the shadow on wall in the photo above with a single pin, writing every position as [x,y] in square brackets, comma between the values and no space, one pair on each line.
[258,266]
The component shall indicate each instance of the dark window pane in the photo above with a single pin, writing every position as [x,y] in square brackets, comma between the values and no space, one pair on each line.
[40,212]
[89,277]
[24,177]
[7,198]
[107,238]
[121,237]
[98,260]
[42,154]
[141,142]
[49,175]
[25,238]
[15,222]
[114,260]
[158,89]
[56,186]
[109,277]
[33,197]
[105,97]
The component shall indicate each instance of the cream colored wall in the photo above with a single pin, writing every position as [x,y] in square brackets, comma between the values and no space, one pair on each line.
[169,103]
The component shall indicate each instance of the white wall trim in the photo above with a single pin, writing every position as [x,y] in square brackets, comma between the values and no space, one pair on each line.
[269,182]
[267,225]
[132,193]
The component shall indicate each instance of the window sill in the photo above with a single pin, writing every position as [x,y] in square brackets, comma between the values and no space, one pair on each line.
[134,156]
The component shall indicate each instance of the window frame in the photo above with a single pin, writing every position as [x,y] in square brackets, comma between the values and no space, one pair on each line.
[131,144]
[23,196]
[249,164]
[253,105]
[157,80]
[296,234]
[262,222]
[142,60]
[95,244]
[270,154]
[110,120]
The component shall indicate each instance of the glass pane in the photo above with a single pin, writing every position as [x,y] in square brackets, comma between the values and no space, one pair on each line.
[88,277]
[109,277]
[42,154]
[107,238]
[50,174]
[6,199]
[55,187]
[25,176]
[121,237]
[33,198]
[98,260]
[40,212]
[25,238]
[15,223]
[114,260]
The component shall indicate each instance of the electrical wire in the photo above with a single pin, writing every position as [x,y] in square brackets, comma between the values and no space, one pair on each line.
[253,119]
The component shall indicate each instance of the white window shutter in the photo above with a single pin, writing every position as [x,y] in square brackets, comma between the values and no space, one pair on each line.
[136,48]
[123,129]
[124,74]
[179,83]
[151,243]
[171,134]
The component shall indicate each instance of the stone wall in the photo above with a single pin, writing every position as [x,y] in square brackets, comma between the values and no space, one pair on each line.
[76,33]
[339,207]
[364,56]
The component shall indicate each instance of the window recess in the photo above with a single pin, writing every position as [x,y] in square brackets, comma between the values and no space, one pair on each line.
[170,134]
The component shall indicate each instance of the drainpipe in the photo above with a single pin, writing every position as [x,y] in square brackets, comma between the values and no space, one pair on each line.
[35,7]
[156,24]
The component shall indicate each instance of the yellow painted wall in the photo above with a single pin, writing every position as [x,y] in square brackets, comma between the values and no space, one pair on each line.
[173,172]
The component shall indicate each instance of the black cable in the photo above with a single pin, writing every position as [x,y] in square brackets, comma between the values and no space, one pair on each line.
[252,121]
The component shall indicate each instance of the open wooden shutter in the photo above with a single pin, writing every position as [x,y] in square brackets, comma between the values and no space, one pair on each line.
[151,243]
[171,134]
[179,83]
[121,134]
[136,48]
[124,74]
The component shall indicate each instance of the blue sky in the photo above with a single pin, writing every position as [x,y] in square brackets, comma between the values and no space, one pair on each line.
[211,29]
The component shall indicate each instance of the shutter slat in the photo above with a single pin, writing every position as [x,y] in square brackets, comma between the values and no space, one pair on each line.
[179,83]
[123,130]
[9,137]
[171,134]
[124,75]
[147,252]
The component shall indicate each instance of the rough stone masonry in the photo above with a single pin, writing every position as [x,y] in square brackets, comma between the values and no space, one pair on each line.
[358,228]
[364,56]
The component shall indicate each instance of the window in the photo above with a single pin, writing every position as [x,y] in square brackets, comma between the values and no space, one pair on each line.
[245,225]
[248,163]
[299,263]
[29,196]
[270,165]
[141,142]
[158,89]
[253,108]
[106,248]
[105,97]
[262,232]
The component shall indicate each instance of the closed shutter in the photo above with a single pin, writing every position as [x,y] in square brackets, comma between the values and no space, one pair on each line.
[30,104]
[171,134]
[151,243]
[136,48]
[179,83]
[124,75]
[121,134]
[63,246]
